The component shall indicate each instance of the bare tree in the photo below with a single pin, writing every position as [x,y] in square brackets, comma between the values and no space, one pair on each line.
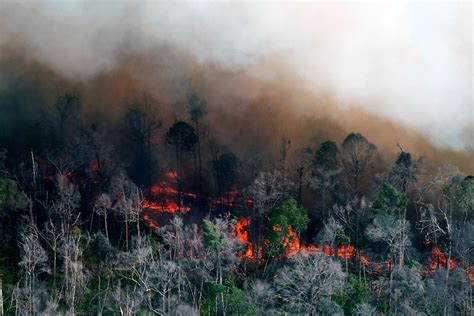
[260,297]
[352,215]
[152,276]
[75,275]
[127,201]
[449,295]
[357,154]
[405,291]
[125,301]
[268,190]
[197,109]
[305,286]
[285,145]
[303,163]
[143,124]
[102,207]
[393,232]
[177,238]
[438,220]
[184,247]
[67,201]
[33,262]
[365,309]
[404,174]
[53,237]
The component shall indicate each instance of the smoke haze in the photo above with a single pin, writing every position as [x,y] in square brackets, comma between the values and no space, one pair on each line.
[397,72]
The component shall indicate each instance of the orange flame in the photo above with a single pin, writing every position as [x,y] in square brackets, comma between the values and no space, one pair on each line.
[293,246]
[230,199]
[346,252]
[164,197]
[241,230]
[291,241]
[167,207]
[151,223]
[439,260]
[364,260]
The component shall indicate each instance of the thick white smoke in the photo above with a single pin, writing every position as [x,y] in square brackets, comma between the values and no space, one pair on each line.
[409,62]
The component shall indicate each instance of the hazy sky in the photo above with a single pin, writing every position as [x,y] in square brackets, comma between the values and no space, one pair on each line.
[410,62]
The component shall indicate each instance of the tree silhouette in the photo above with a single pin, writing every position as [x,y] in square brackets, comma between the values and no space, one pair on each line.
[357,153]
[197,108]
[182,136]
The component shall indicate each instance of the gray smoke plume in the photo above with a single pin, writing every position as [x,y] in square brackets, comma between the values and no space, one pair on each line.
[410,63]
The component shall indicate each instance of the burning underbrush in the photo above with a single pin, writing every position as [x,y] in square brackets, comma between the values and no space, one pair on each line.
[292,245]
[166,199]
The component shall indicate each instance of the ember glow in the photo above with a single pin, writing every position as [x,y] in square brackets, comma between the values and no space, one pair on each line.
[228,200]
[290,242]
[292,245]
[167,199]
[242,232]
[151,223]
[295,162]
[439,260]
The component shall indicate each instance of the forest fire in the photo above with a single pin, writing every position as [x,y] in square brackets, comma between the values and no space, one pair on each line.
[151,222]
[364,260]
[164,197]
[439,260]
[291,242]
[229,200]
[293,246]
[241,230]
[166,207]
[164,171]
[343,252]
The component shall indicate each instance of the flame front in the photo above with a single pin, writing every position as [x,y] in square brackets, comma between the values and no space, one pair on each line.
[439,260]
[241,230]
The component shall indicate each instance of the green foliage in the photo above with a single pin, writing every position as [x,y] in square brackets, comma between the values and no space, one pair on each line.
[357,292]
[414,264]
[342,238]
[464,195]
[100,248]
[212,236]
[235,299]
[10,196]
[87,301]
[327,156]
[389,200]
[228,294]
[288,214]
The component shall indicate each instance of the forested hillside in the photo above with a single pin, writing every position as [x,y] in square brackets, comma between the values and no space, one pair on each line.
[145,215]
[236,158]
